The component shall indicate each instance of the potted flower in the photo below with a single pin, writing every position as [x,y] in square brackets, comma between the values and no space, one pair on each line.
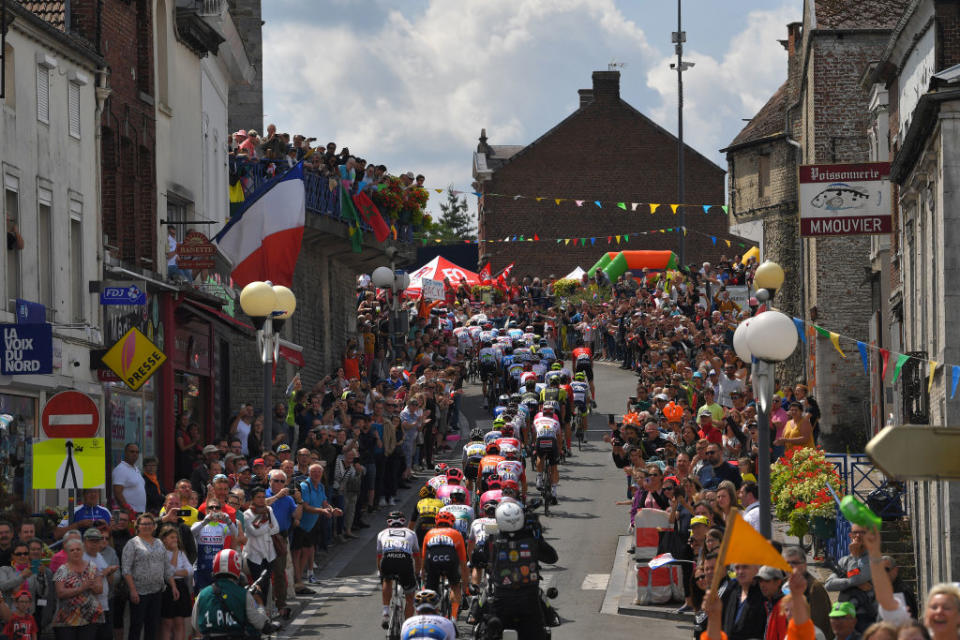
[798,489]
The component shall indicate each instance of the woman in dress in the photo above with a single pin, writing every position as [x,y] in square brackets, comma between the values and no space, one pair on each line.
[175,611]
[77,583]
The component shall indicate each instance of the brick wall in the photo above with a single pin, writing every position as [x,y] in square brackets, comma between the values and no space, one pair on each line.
[605,151]
[124,38]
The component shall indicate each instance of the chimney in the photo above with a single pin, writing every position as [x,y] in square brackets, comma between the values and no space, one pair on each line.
[606,85]
[586,97]
[793,38]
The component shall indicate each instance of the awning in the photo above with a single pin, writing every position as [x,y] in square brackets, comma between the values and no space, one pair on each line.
[212,313]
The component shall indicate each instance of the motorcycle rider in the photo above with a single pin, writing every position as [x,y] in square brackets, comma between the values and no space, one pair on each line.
[513,556]
[225,610]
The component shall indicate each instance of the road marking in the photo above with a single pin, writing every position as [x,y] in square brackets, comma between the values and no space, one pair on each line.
[595,581]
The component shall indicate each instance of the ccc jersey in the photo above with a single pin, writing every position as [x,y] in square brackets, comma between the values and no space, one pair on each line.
[397,540]
[445,537]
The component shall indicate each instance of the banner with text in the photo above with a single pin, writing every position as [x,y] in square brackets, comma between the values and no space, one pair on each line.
[432,289]
[27,349]
[845,199]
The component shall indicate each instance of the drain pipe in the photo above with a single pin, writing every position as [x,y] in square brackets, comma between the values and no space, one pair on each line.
[788,129]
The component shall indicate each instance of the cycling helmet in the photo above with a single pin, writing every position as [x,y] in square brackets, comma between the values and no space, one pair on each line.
[554,381]
[531,384]
[556,366]
[476,434]
[510,485]
[440,469]
[509,517]
[445,519]
[490,508]
[454,476]
[396,519]
[426,599]
[542,341]
[551,405]
[528,328]
[227,561]
[503,399]
[515,398]
[512,325]
[493,449]
[491,436]
[509,451]
[564,378]
[458,495]
[580,375]
[507,431]
[427,491]
[493,482]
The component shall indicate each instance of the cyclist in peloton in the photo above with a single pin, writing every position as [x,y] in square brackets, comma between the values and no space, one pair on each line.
[547,447]
[427,624]
[425,513]
[445,554]
[581,397]
[487,359]
[398,557]
[583,361]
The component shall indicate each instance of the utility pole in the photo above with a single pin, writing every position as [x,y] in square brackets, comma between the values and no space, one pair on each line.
[678,38]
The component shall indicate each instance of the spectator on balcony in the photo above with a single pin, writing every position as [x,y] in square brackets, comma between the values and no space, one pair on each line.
[273,146]
[330,153]
[406,179]
[369,181]
[381,172]
[348,170]
[236,139]
[420,179]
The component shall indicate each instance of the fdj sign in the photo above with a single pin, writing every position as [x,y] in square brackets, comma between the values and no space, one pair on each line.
[134,358]
[126,295]
[27,349]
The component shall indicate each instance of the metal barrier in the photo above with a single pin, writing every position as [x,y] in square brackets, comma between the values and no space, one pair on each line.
[864,480]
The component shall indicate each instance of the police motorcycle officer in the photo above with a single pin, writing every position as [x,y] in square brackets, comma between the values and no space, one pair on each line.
[225,610]
[512,556]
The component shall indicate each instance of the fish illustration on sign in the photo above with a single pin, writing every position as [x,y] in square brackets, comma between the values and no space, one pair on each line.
[840,196]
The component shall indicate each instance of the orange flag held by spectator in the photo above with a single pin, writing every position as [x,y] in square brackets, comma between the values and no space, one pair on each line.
[742,544]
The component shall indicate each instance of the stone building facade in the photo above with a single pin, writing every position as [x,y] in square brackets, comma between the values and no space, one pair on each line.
[608,151]
[246,101]
[819,115]
[916,82]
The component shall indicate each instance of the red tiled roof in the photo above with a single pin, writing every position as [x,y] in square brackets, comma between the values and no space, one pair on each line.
[51,11]
[855,14]
[767,122]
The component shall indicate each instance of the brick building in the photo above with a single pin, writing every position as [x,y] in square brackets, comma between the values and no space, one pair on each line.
[605,150]
[915,123]
[819,115]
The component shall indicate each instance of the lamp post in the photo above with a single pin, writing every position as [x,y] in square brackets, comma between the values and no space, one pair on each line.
[765,339]
[268,306]
[396,280]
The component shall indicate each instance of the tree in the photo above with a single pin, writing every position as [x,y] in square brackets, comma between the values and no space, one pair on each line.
[455,222]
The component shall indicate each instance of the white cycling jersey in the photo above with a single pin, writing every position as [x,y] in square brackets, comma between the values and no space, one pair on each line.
[397,539]
[428,627]
[546,427]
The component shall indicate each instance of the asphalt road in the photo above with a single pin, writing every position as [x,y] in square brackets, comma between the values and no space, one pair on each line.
[584,528]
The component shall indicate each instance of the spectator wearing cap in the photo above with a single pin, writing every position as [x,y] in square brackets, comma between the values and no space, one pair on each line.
[843,621]
[250,144]
[707,429]
[284,453]
[770,581]
[284,431]
[200,477]
[93,543]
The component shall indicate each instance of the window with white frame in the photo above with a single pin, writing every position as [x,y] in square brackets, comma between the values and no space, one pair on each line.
[77,283]
[73,109]
[43,94]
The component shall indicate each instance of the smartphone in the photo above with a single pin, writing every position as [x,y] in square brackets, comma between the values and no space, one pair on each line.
[184,513]
[633,399]
[35,566]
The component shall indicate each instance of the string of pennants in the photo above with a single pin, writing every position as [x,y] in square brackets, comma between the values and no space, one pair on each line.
[899,360]
[652,207]
[592,240]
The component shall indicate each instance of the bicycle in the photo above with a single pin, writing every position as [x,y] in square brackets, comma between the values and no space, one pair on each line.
[397,605]
[545,493]
[580,419]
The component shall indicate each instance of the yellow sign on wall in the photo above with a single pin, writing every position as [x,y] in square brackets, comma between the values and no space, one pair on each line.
[134,358]
[69,463]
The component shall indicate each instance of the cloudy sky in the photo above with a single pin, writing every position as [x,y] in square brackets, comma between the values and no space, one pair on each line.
[410,83]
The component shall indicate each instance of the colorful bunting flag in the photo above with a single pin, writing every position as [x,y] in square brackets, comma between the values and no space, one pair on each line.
[558,200]
[933,367]
[901,360]
[798,323]
[622,205]
[956,379]
[579,203]
[706,208]
[863,356]
[674,207]
[597,202]
[823,332]
[724,207]
[835,339]
[653,207]
[885,357]
[633,206]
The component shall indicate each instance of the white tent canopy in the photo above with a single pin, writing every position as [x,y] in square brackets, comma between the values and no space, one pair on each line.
[576,274]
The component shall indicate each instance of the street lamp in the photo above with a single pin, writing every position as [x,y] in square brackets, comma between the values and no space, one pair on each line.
[396,280]
[765,339]
[268,306]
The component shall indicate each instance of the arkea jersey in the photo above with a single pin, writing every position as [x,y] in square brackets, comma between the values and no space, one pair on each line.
[474,450]
[429,627]
[397,539]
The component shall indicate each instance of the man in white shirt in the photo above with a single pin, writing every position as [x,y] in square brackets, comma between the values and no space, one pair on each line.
[750,499]
[129,487]
[728,384]
[92,542]
[241,428]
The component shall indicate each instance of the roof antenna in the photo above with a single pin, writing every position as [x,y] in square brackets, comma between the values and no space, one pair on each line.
[613,65]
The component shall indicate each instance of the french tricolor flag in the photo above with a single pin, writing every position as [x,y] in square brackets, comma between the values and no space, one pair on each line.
[262,241]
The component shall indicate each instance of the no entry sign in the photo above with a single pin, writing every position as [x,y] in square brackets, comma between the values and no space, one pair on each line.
[70,414]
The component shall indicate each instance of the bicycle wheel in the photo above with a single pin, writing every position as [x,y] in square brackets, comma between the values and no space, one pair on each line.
[396,613]
[445,605]
[545,495]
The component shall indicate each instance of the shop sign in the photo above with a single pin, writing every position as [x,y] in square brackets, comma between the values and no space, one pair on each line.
[196,252]
[27,349]
[134,358]
[126,293]
[845,199]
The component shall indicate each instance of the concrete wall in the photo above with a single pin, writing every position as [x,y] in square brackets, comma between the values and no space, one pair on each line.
[246,102]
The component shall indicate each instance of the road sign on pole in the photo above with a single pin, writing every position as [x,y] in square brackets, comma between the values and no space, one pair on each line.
[917,452]
[69,463]
[70,414]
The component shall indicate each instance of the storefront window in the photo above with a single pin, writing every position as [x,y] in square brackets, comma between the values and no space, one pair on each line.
[130,418]
[18,422]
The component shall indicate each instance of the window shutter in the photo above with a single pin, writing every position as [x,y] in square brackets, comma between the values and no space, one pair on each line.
[73,108]
[43,94]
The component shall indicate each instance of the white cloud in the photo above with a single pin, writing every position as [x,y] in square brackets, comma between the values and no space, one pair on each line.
[718,94]
[414,94]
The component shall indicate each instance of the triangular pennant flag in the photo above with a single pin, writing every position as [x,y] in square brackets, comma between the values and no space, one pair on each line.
[521,238]
[742,544]
[933,367]
[583,241]
[439,190]
[653,207]
[609,239]
[835,339]
[798,323]
[558,200]
[425,242]
[439,240]
[823,332]
[633,206]
[566,241]
[714,240]
[622,205]
[885,357]
[536,238]
[674,207]
[539,198]
[897,368]
[956,379]
[706,208]
[597,202]
[517,197]
[559,240]
[728,242]
[626,238]
[684,231]
[618,239]
[863,356]
[724,207]
[575,241]
[579,203]
[593,241]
